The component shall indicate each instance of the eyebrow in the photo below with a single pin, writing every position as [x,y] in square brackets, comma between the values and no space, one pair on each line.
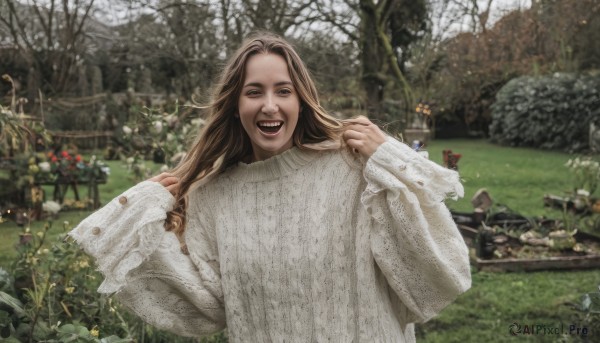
[258,84]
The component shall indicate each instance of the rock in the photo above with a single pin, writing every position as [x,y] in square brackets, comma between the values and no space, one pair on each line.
[482,200]
[534,238]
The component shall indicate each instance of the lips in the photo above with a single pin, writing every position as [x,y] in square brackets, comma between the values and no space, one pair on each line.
[270,127]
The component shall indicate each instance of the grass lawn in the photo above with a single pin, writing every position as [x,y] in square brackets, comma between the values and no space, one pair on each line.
[517,178]
[514,177]
[485,312]
[118,181]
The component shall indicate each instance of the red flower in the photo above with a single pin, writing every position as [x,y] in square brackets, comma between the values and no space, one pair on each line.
[53,158]
[78,158]
[64,154]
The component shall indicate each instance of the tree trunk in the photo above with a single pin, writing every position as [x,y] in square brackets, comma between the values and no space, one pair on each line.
[372,63]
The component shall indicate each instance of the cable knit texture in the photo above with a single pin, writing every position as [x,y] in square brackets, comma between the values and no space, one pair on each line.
[303,247]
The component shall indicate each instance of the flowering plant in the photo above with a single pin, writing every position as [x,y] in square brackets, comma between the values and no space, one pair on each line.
[45,297]
[65,167]
[160,135]
[424,116]
[586,172]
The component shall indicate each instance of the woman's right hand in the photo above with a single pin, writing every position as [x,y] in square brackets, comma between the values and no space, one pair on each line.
[167,180]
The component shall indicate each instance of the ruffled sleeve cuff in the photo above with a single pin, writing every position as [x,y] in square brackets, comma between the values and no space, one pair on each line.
[429,181]
[125,232]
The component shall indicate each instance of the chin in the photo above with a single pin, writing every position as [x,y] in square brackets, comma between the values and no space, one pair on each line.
[274,147]
[271,148]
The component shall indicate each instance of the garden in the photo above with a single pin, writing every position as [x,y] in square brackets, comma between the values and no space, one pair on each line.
[47,284]
[56,282]
[96,98]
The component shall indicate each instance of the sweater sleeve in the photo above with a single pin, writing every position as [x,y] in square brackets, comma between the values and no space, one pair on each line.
[413,239]
[143,264]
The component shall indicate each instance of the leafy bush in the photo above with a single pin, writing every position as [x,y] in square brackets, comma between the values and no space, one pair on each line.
[548,112]
[50,296]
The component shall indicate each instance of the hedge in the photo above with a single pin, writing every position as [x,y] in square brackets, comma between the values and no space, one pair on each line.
[548,112]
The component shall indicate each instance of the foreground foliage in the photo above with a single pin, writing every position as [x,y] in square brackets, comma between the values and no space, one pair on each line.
[49,295]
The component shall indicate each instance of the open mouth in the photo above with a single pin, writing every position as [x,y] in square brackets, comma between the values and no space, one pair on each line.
[269,127]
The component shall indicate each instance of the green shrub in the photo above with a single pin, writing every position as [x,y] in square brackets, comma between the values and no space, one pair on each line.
[548,112]
[49,296]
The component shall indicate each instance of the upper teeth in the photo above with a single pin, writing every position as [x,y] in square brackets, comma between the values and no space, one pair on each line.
[269,124]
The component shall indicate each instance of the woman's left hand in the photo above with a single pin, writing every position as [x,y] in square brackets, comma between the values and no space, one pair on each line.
[363,136]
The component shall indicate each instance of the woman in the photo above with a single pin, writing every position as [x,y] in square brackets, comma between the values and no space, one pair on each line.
[286,224]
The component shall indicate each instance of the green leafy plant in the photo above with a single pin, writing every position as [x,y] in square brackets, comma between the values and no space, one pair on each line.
[586,173]
[159,135]
[548,112]
[586,315]
[49,296]
[18,131]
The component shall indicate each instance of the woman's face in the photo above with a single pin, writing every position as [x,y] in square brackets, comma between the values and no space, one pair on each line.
[268,105]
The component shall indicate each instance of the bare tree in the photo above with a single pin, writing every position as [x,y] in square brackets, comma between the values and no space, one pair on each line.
[49,34]
[275,15]
[194,36]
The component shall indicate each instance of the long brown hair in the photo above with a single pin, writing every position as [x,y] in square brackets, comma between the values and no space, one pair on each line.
[224,142]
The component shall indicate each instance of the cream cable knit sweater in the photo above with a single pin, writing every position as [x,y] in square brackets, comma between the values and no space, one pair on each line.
[302,247]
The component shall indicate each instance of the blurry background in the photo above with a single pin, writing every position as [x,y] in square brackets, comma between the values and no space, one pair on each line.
[92,59]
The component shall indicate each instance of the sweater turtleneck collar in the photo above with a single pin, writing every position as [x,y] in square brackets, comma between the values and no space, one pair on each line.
[273,167]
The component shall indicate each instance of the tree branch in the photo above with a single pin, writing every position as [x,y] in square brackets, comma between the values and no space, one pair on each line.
[328,18]
[393,62]
[382,5]
[296,13]
[386,11]
[83,19]
[353,5]
[21,34]
[45,27]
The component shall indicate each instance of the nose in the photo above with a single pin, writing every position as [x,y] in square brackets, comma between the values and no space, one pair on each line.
[270,106]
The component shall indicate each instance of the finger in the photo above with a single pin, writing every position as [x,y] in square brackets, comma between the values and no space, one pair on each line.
[368,134]
[160,176]
[358,123]
[364,129]
[361,120]
[356,144]
[352,134]
[370,129]
[173,188]
[169,181]
[357,127]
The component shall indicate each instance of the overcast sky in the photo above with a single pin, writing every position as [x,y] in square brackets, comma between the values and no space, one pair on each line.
[502,6]
[498,9]
[117,12]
